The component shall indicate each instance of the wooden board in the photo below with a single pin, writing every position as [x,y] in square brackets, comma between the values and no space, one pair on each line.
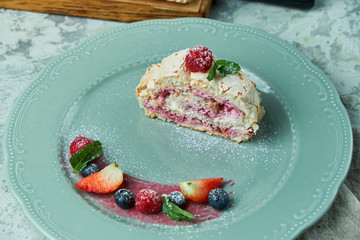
[192,6]
[124,11]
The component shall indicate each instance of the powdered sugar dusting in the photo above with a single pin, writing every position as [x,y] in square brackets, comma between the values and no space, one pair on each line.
[162,152]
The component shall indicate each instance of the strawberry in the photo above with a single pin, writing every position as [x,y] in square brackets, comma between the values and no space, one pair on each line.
[198,190]
[78,143]
[105,181]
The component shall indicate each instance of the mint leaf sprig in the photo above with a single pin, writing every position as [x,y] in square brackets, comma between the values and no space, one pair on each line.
[174,212]
[86,154]
[223,67]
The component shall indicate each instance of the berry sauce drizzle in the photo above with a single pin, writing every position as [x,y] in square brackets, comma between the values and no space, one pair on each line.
[202,211]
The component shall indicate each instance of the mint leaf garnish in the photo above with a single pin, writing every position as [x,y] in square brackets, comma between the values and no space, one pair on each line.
[212,72]
[174,212]
[223,67]
[88,153]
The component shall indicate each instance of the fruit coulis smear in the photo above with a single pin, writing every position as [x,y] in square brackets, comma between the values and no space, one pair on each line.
[102,185]
[202,212]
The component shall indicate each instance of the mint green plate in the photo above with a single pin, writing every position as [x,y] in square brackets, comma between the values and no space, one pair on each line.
[284,179]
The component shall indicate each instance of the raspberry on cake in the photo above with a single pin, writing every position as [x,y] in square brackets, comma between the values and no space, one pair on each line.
[178,90]
[199,59]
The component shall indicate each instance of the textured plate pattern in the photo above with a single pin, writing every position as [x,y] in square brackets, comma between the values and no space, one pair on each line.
[291,171]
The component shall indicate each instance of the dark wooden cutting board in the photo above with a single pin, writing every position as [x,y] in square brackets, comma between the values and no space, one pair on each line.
[118,10]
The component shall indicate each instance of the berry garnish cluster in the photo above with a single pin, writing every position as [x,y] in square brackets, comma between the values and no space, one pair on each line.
[200,59]
[84,151]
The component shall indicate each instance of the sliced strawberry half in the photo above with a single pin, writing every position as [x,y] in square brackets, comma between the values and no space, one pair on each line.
[198,190]
[105,181]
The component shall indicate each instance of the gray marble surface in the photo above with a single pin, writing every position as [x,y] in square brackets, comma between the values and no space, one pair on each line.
[328,34]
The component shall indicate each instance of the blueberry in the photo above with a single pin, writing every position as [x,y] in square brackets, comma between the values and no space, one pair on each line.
[177,198]
[89,169]
[218,198]
[124,198]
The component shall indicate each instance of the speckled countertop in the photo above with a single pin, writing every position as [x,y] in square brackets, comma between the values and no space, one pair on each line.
[328,34]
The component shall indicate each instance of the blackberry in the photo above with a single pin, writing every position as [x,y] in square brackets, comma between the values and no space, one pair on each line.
[89,169]
[124,198]
[177,198]
[218,198]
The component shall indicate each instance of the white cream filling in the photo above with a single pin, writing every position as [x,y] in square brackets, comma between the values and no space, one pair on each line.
[187,104]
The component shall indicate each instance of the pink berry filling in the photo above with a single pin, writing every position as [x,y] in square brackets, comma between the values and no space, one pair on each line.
[203,112]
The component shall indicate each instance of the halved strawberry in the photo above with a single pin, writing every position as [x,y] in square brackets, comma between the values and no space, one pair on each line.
[105,181]
[198,190]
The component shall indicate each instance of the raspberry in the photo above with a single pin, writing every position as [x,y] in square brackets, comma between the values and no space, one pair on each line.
[199,59]
[79,143]
[148,201]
